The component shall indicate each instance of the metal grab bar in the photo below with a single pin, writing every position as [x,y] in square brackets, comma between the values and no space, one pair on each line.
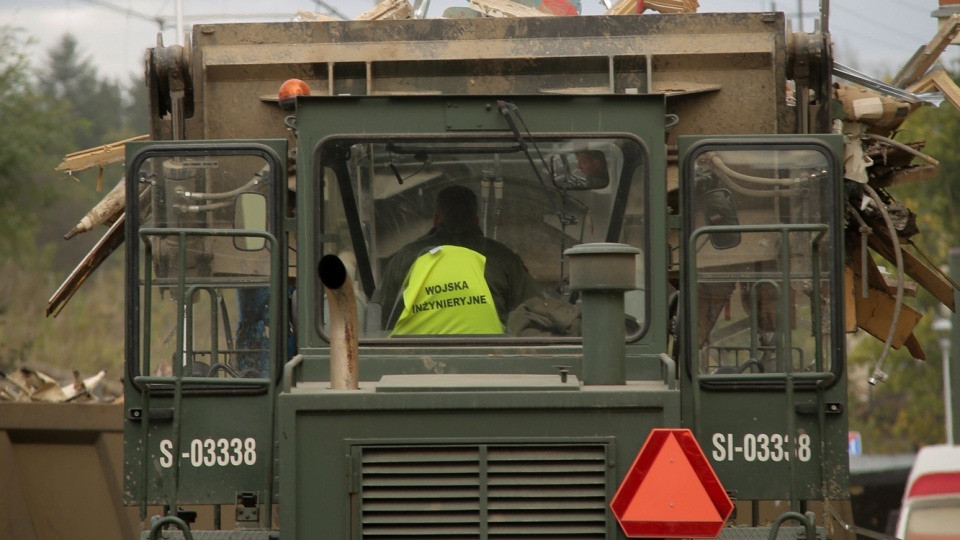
[170,520]
[288,371]
[276,270]
[805,520]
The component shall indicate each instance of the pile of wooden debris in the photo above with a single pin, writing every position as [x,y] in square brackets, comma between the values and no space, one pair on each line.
[28,384]
[401,9]
[876,160]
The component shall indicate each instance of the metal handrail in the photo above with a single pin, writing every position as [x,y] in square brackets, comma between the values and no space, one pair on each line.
[276,267]
[806,520]
[289,369]
[784,343]
[170,520]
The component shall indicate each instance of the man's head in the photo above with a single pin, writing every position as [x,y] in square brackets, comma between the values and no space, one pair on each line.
[456,204]
[592,162]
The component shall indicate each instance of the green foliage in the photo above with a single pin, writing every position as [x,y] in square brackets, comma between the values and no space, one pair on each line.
[40,121]
[905,412]
[95,103]
[936,200]
[30,135]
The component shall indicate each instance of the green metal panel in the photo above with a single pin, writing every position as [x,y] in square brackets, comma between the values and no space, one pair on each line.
[225,448]
[321,432]
[763,437]
[196,440]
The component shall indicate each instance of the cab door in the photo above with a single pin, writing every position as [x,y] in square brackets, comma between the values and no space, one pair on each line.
[207,331]
[762,350]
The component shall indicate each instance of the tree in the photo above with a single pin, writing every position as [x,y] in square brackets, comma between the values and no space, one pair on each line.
[935,200]
[31,125]
[96,104]
[136,118]
[906,412]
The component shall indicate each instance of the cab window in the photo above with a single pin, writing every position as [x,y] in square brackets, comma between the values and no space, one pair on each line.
[763,250]
[466,237]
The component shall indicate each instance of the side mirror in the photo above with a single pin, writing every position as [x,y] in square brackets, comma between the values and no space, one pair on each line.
[578,171]
[250,212]
[719,209]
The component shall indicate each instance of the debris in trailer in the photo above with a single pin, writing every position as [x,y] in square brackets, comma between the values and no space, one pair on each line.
[28,384]
[388,10]
[505,8]
[626,7]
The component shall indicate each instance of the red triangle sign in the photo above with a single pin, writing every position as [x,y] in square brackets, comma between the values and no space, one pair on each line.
[671,491]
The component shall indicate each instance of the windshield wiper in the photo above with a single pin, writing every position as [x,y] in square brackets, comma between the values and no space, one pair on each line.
[508,110]
[565,218]
[427,150]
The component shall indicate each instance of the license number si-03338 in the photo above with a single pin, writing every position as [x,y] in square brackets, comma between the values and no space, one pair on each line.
[759,447]
[212,452]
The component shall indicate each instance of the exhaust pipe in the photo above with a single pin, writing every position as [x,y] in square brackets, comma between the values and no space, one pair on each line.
[344,372]
[602,272]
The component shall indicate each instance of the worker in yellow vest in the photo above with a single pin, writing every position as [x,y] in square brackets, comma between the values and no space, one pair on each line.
[453,280]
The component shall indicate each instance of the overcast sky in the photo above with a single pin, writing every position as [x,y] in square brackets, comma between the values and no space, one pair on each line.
[878,36]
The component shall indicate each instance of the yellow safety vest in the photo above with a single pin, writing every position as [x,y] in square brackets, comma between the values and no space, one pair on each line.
[445,293]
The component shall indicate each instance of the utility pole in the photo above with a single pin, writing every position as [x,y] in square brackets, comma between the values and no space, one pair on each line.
[951,379]
[943,328]
[179,22]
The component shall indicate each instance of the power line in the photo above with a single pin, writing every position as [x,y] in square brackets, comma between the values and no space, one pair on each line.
[163,21]
[840,33]
[129,12]
[877,23]
[234,16]
[912,5]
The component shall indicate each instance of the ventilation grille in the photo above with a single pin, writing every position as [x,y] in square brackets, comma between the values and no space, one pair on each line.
[486,491]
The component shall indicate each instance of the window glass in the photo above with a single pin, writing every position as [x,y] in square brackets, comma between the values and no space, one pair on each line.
[218,323]
[396,201]
[762,253]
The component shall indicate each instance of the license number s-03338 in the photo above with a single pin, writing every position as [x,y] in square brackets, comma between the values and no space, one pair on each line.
[212,452]
[759,447]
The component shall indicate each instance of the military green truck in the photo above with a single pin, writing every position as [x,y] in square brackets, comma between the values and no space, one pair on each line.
[690,281]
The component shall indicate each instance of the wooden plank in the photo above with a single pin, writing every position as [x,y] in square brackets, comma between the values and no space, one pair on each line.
[629,7]
[928,54]
[875,277]
[913,345]
[928,278]
[908,175]
[99,253]
[505,8]
[98,156]
[850,292]
[946,85]
[875,314]
[305,15]
[937,80]
[388,10]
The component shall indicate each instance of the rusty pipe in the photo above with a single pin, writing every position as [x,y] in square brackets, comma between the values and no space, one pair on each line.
[344,372]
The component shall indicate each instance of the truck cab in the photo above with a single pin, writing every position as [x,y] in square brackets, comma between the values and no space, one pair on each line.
[682,229]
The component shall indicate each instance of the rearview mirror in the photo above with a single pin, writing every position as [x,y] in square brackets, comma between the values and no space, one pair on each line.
[719,210]
[576,171]
[250,213]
